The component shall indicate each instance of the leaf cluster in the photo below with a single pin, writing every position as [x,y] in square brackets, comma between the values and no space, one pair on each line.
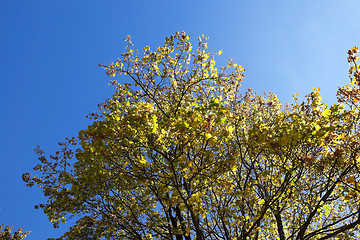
[6,233]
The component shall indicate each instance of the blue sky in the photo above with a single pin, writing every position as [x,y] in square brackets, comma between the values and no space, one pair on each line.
[49,52]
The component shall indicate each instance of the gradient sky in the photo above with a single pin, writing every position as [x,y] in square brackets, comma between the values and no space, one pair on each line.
[49,52]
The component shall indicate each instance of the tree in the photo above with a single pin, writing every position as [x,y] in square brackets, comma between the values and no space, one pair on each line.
[179,152]
[5,233]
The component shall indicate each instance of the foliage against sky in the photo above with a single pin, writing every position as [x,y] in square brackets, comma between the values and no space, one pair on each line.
[50,50]
[179,153]
[6,233]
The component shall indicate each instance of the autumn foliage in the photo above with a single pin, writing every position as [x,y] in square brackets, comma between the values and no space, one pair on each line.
[181,152]
[7,234]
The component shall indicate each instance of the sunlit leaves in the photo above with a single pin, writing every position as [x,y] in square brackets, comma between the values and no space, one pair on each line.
[6,233]
[180,151]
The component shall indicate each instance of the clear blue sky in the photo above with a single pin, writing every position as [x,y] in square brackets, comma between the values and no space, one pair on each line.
[49,52]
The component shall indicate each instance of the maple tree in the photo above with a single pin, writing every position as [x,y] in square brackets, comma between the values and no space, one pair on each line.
[180,152]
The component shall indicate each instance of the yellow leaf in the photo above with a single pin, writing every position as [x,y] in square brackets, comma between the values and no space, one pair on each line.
[208,135]
[351,179]
[234,168]
[187,231]
[326,113]
[142,160]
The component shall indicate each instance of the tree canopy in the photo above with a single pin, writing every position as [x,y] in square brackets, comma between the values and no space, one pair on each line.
[180,151]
